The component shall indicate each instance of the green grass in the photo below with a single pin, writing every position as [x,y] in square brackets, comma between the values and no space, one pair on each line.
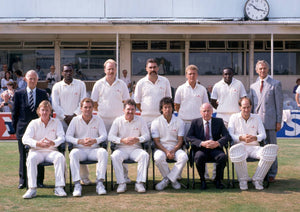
[282,195]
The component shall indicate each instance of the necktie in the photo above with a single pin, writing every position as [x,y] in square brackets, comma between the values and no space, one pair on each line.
[31,102]
[207,131]
[261,85]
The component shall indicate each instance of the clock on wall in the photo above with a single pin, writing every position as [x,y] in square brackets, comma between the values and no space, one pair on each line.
[256,9]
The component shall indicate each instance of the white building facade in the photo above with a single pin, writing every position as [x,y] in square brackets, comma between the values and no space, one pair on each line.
[210,34]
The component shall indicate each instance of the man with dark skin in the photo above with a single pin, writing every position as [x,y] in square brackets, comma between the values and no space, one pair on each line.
[226,94]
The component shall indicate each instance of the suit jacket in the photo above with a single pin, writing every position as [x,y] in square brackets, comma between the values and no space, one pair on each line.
[269,103]
[196,134]
[21,113]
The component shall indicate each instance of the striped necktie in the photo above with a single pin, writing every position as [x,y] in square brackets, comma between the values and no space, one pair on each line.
[31,102]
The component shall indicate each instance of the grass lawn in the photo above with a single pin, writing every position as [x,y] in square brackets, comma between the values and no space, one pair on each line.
[283,195]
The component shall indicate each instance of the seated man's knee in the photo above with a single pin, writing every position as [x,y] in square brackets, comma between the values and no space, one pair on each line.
[269,152]
[61,158]
[238,153]
[183,157]
[159,156]
[74,153]
[102,153]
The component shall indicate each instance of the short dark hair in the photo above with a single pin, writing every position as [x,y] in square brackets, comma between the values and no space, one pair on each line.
[68,65]
[165,101]
[245,97]
[88,100]
[18,72]
[228,68]
[129,102]
[151,60]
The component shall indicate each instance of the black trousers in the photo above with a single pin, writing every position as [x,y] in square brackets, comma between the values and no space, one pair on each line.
[23,169]
[216,155]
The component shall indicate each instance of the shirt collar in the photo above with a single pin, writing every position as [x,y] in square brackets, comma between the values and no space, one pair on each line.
[64,83]
[42,123]
[204,122]
[232,82]
[187,84]
[126,121]
[28,90]
[158,79]
[241,117]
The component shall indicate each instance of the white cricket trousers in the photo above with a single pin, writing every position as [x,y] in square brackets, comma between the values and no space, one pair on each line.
[36,156]
[81,154]
[160,158]
[138,155]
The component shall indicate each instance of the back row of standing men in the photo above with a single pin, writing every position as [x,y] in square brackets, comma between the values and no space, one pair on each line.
[109,93]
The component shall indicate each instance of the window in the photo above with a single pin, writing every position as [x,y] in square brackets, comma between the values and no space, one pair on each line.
[25,60]
[285,63]
[88,64]
[212,63]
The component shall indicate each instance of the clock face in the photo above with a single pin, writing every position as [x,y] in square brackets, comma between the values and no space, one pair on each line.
[257,9]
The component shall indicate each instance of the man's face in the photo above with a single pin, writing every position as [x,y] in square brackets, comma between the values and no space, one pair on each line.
[191,76]
[245,108]
[4,67]
[152,69]
[262,70]
[31,80]
[206,112]
[44,113]
[167,110]
[227,75]
[87,109]
[68,73]
[110,71]
[52,69]
[124,73]
[129,112]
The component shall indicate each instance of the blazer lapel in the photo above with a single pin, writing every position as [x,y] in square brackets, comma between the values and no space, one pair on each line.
[262,95]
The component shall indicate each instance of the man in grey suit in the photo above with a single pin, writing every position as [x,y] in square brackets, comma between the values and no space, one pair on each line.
[267,98]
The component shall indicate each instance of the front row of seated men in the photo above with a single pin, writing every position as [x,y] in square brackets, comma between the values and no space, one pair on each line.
[207,136]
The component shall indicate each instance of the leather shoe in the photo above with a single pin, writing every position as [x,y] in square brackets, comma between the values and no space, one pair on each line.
[272,180]
[203,185]
[219,185]
[40,185]
[21,186]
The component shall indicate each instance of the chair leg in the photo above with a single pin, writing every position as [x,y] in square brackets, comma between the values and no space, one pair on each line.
[106,180]
[193,183]
[153,172]
[112,177]
[71,186]
[228,178]
[232,164]
[188,175]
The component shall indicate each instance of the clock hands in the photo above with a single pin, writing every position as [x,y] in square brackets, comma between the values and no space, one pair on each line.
[258,9]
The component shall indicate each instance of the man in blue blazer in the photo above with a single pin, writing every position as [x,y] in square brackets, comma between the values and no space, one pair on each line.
[23,112]
[207,136]
[266,95]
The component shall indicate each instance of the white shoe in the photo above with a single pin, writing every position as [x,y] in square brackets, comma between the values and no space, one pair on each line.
[100,189]
[77,190]
[258,185]
[30,193]
[162,184]
[139,187]
[127,179]
[85,181]
[60,192]
[176,185]
[243,185]
[121,188]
